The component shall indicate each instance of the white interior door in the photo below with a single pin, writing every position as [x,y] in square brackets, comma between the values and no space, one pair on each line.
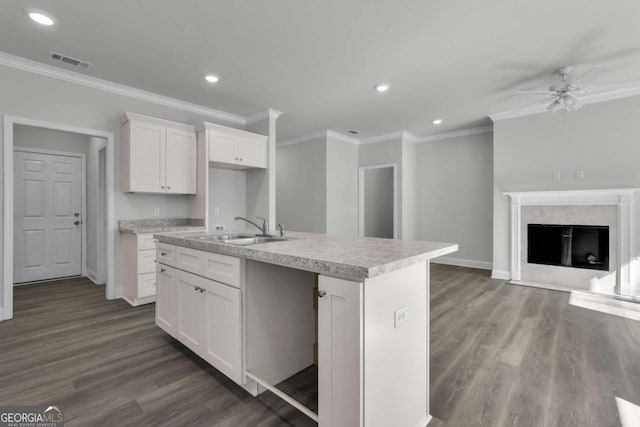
[47,216]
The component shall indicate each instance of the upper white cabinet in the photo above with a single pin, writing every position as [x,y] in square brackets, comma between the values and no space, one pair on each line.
[234,148]
[159,156]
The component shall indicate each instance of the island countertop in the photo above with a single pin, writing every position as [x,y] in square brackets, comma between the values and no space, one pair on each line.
[349,257]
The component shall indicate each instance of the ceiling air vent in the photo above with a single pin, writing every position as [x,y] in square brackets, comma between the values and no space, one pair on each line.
[69,61]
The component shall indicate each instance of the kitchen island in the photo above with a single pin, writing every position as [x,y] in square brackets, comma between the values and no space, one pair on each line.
[263,312]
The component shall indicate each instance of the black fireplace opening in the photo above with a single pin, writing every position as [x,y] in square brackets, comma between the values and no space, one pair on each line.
[579,246]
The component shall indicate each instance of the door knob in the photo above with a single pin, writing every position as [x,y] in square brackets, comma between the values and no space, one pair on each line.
[76,222]
[321,293]
[77,214]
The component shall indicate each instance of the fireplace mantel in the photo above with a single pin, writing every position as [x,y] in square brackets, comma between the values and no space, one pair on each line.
[621,197]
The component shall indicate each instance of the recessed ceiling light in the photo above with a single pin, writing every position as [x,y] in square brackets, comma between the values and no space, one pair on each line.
[41,17]
[382,87]
[438,122]
[212,78]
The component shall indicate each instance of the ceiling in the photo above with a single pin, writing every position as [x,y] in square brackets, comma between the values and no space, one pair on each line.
[318,60]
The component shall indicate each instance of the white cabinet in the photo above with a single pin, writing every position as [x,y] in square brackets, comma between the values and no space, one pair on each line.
[159,156]
[203,314]
[166,308]
[139,268]
[340,352]
[191,310]
[234,148]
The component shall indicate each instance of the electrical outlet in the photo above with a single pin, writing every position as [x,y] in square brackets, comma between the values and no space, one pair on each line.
[401,316]
[579,174]
[555,175]
[216,211]
[219,227]
[156,211]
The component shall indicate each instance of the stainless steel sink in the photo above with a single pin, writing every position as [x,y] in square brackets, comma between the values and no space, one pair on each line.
[224,237]
[240,239]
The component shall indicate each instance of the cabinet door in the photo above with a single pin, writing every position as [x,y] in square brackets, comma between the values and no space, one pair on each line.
[166,298]
[191,305]
[223,336]
[340,363]
[181,163]
[252,153]
[222,148]
[146,157]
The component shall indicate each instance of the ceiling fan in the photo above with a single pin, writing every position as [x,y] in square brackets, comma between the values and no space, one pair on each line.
[565,95]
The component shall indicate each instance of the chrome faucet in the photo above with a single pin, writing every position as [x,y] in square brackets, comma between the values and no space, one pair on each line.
[264,228]
[281,228]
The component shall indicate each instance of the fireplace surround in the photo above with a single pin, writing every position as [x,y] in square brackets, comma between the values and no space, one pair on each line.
[593,210]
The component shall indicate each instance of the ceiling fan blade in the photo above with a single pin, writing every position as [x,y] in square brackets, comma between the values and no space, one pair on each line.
[534,92]
[625,84]
[539,103]
[589,76]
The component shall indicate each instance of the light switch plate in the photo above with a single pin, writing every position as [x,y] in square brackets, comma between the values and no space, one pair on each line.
[216,211]
[555,175]
[156,211]
[401,316]
[579,174]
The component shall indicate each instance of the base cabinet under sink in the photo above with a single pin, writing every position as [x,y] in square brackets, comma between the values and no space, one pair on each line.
[204,315]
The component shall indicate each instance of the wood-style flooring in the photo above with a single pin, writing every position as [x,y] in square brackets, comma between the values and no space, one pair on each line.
[501,355]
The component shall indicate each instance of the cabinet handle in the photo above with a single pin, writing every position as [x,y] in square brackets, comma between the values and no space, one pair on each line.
[321,293]
[163,270]
[163,254]
[168,187]
[162,186]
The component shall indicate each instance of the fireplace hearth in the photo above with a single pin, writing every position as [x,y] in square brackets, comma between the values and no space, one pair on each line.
[578,246]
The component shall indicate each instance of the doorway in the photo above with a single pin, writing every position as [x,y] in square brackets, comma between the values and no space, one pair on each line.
[377,201]
[49,234]
[7,140]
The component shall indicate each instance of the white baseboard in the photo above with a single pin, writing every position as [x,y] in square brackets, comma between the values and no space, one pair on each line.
[501,274]
[118,293]
[93,276]
[471,263]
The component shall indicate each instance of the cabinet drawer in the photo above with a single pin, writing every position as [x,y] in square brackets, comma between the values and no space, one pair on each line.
[146,241]
[166,254]
[146,261]
[146,284]
[190,260]
[222,268]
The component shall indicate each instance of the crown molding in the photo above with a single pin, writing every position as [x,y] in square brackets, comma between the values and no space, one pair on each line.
[39,68]
[342,137]
[455,134]
[594,98]
[383,138]
[305,138]
[269,113]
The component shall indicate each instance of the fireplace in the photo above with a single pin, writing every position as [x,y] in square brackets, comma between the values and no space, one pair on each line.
[578,246]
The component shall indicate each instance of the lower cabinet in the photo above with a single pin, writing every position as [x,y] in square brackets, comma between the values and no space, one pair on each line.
[204,315]
[166,307]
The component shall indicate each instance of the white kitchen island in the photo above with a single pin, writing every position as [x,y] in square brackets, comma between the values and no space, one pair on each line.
[252,312]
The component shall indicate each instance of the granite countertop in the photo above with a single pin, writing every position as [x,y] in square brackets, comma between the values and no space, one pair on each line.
[349,257]
[157,225]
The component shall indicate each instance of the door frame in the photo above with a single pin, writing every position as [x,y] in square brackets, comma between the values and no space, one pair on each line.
[361,171]
[101,273]
[8,123]
[83,196]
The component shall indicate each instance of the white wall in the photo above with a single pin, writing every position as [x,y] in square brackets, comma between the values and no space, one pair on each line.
[92,204]
[227,190]
[454,194]
[42,98]
[342,188]
[378,202]
[302,186]
[601,139]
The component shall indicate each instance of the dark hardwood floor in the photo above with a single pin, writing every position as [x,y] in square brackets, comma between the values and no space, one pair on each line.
[501,355]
